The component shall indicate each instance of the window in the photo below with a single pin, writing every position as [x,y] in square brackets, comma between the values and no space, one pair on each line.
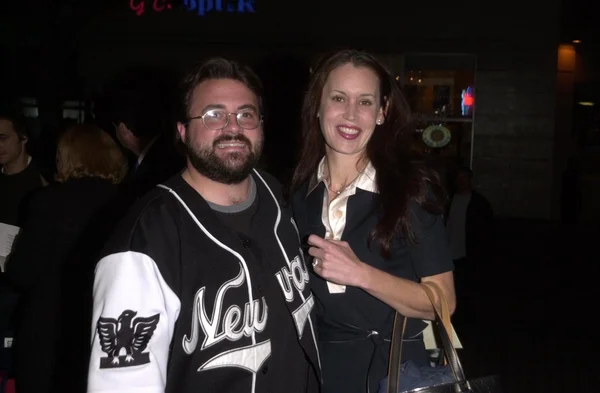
[440,90]
[74,111]
[29,107]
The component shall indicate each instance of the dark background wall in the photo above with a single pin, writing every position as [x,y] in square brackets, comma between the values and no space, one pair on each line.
[57,52]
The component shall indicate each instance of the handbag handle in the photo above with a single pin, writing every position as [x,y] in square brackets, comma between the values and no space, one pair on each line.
[393,381]
[445,310]
[442,319]
[449,350]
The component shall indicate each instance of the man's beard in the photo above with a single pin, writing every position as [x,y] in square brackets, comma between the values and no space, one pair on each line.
[233,168]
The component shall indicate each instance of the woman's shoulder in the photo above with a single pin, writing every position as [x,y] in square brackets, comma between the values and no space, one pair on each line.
[430,201]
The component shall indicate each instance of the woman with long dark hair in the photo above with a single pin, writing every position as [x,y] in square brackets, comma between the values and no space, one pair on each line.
[371,214]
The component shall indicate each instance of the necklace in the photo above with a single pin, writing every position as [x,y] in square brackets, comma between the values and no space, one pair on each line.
[344,187]
[337,192]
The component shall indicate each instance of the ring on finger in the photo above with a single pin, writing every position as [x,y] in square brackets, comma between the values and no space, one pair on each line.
[315,262]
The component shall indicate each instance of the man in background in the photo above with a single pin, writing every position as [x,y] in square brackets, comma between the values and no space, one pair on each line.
[470,231]
[19,174]
[140,127]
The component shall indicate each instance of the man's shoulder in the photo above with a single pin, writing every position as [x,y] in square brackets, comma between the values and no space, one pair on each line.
[150,219]
[156,199]
[269,179]
[160,199]
[33,169]
[271,182]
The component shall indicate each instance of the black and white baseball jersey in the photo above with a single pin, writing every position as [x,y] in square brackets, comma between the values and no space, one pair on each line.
[183,302]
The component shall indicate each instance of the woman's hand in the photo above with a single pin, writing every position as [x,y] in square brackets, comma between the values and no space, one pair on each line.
[336,262]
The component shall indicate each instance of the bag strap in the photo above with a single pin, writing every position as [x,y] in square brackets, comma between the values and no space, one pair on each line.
[444,326]
[449,350]
[444,311]
[393,380]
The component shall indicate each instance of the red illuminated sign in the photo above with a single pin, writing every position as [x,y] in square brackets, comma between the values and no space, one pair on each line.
[199,7]
[139,6]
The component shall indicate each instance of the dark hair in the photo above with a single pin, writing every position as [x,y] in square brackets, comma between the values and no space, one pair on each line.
[18,122]
[217,68]
[401,177]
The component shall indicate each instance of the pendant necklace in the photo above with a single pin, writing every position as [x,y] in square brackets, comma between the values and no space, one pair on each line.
[344,187]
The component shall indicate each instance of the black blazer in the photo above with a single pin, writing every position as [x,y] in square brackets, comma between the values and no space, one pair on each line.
[160,163]
[350,355]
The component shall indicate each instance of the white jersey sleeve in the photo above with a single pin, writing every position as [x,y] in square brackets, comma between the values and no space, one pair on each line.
[134,314]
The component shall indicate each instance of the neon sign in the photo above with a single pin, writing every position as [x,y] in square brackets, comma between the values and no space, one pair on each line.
[204,6]
[139,6]
[467,101]
[200,7]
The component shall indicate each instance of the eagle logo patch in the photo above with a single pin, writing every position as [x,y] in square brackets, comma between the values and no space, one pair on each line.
[124,339]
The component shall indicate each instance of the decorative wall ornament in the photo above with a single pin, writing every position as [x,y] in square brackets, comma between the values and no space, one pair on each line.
[436,136]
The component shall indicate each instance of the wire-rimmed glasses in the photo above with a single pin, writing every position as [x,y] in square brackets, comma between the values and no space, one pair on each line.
[217,119]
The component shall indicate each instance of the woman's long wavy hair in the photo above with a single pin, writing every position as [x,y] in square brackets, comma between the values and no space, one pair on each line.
[85,150]
[401,175]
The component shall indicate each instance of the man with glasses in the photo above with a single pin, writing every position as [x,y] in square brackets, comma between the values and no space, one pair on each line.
[204,286]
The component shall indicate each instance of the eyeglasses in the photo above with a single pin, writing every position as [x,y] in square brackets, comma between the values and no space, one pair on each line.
[217,119]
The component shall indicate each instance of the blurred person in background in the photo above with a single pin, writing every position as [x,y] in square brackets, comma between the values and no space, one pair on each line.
[52,264]
[139,122]
[470,232]
[19,174]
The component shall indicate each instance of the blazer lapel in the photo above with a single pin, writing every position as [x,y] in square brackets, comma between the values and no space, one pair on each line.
[360,208]
[314,207]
